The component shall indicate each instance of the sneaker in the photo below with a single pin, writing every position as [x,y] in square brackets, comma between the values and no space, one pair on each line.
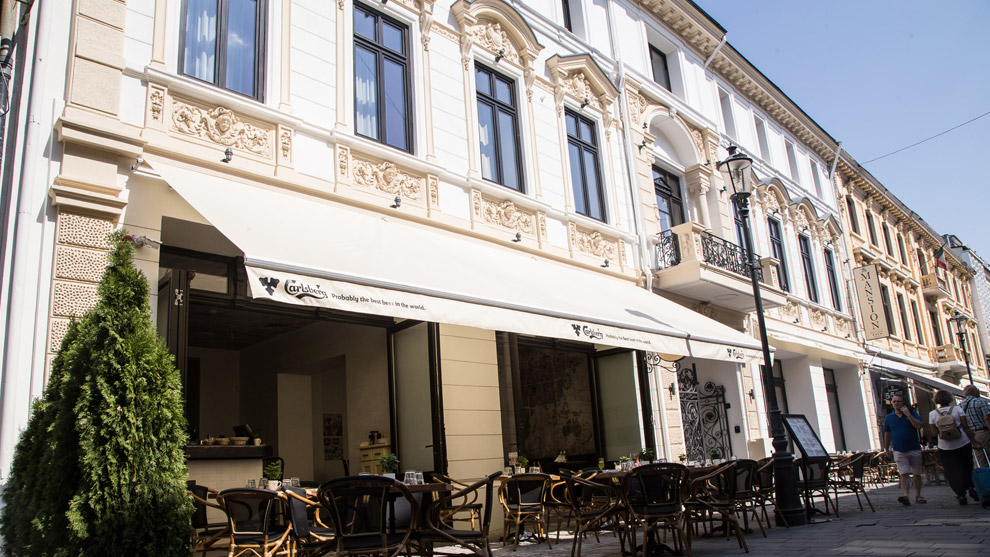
[904,501]
[972,493]
[962,499]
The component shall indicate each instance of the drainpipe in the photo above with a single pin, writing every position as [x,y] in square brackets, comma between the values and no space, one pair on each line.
[643,243]
[19,365]
[711,58]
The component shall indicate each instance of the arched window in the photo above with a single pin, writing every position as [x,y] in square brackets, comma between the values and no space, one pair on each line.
[668,191]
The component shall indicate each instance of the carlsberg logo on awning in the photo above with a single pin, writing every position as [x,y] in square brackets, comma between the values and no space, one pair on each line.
[302,290]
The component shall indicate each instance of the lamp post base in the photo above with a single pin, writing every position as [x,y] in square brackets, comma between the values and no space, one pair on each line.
[790,510]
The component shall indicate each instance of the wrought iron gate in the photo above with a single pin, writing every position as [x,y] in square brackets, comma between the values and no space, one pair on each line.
[703,416]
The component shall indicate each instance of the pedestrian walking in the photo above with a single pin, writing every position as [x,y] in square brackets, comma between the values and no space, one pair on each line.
[978,417]
[900,435]
[949,425]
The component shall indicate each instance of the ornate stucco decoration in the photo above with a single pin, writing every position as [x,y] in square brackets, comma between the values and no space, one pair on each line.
[593,243]
[425,21]
[503,213]
[818,319]
[791,311]
[777,202]
[285,143]
[343,161]
[705,308]
[156,103]
[580,77]
[221,126]
[386,177]
[497,27]
[638,106]
[434,187]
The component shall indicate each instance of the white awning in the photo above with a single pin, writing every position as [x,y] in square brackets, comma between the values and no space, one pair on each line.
[925,379]
[306,250]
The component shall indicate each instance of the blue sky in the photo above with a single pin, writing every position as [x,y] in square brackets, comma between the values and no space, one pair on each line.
[880,75]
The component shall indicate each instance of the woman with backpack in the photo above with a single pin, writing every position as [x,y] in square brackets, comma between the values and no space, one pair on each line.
[948,424]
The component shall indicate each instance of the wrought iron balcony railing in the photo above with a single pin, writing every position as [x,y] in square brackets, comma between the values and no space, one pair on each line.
[668,250]
[726,255]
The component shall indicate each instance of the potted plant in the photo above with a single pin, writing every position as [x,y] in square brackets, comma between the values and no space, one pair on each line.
[624,462]
[390,464]
[682,457]
[272,470]
[521,463]
[715,454]
[646,454]
[256,437]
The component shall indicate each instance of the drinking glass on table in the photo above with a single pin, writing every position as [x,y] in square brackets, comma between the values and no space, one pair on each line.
[250,483]
[294,481]
[419,478]
[410,477]
[601,464]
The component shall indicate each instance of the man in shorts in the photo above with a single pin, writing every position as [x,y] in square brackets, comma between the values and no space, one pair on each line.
[900,432]
[978,417]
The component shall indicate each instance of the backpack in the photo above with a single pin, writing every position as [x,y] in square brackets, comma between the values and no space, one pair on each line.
[946,425]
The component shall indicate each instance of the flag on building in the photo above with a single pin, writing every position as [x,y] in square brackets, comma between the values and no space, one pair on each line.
[940,258]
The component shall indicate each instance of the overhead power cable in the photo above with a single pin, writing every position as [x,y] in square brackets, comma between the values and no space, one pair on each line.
[927,139]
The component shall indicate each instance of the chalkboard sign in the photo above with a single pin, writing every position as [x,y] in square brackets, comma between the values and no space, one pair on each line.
[805,437]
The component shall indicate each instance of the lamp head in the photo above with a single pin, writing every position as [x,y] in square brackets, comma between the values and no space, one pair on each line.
[960,321]
[735,170]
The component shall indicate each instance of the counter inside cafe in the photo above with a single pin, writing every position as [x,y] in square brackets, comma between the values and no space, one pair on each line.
[221,462]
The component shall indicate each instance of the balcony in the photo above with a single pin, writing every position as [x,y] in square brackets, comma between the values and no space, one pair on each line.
[935,286]
[950,358]
[693,262]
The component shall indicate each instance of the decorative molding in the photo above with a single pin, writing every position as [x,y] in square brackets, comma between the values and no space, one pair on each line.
[706,309]
[491,36]
[445,32]
[638,106]
[387,177]
[80,230]
[434,189]
[79,264]
[285,145]
[593,243]
[542,217]
[343,161]
[156,103]
[503,213]
[818,319]
[221,126]
[71,299]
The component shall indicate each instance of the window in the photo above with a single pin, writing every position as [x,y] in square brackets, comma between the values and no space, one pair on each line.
[871,228]
[833,279]
[497,129]
[832,392]
[223,43]
[887,310]
[761,136]
[741,233]
[922,262]
[582,150]
[809,268]
[886,239]
[955,286]
[936,329]
[725,101]
[917,322]
[901,250]
[851,209]
[381,79]
[658,61]
[792,161]
[778,252]
[565,6]
[904,318]
[668,190]
[818,181]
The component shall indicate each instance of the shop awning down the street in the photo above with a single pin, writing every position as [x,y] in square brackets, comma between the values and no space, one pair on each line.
[925,380]
[306,250]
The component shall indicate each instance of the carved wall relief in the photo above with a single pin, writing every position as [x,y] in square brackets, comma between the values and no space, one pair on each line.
[593,243]
[386,177]
[343,161]
[221,126]
[503,213]
[491,36]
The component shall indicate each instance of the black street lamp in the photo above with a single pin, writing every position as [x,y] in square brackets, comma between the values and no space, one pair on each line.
[960,321]
[735,170]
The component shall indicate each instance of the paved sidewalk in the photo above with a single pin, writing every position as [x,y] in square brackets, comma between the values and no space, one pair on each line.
[940,527]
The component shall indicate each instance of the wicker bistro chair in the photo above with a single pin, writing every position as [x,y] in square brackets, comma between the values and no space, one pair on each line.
[815,480]
[714,494]
[467,509]
[593,505]
[653,496]
[206,534]
[439,522]
[371,515]
[250,517]
[763,489]
[309,534]
[522,497]
[557,505]
[747,501]
[850,477]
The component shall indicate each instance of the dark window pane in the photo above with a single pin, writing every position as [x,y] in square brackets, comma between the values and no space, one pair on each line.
[392,37]
[486,134]
[483,80]
[503,91]
[595,209]
[587,133]
[507,147]
[395,104]
[366,92]
[664,208]
[241,48]
[199,59]
[364,24]
[661,74]
[571,121]
[577,178]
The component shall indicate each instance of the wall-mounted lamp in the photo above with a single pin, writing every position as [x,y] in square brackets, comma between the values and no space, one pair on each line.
[824,329]
[141,241]
[518,237]
[774,212]
[797,320]
[828,243]
[228,154]
[499,55]
[752,396]
[605,264]
[137,162]
[585,102]
[646,125]
[803,229]
[397,202]
[642,144]
[673,390]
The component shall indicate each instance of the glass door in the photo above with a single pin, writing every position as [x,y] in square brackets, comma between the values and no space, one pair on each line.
[417,422]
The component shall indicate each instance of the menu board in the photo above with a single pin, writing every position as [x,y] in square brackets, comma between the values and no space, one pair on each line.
[805,437]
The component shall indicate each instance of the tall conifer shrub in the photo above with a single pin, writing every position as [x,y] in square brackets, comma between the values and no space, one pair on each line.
[100,470]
